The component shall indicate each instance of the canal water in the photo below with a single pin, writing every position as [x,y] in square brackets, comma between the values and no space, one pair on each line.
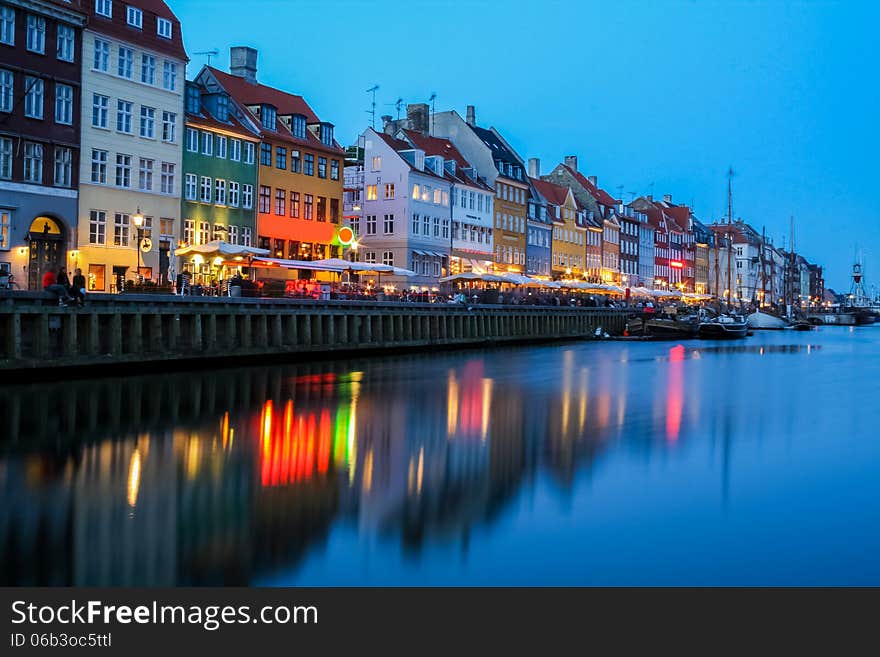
[744,463]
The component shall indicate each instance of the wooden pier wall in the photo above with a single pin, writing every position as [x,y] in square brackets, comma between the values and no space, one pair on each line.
[118,329]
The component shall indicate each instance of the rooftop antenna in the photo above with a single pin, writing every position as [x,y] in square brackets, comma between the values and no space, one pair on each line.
[372,110]
[209,53]
[397,104]
[432,100]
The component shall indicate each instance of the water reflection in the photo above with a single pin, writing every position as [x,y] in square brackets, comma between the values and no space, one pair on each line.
[240,476]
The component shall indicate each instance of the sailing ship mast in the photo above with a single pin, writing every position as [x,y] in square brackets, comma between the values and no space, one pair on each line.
[728,233]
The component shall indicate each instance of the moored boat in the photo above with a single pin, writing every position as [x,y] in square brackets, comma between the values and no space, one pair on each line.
[663,327]
[766,321]
[724,327]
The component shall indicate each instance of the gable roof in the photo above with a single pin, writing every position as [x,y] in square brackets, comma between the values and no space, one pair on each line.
[117,26]
[439,146]
[204,119]
[554,193]
[602,197]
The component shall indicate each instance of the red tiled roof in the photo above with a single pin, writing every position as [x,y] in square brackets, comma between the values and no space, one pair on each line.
[554,193]
[210,123]
[399,145]
[437,146]
[602,197]
[147,37]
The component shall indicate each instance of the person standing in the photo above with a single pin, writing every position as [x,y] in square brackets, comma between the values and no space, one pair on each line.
[78,290]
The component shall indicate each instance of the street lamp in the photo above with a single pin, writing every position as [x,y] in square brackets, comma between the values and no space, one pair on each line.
[138,220]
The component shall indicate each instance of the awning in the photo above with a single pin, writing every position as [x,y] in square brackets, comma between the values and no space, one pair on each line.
[220,248]
[294,264]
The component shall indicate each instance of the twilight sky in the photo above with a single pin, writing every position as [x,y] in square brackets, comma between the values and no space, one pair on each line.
[655,92]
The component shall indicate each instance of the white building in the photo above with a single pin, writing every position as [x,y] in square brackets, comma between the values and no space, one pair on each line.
[406,216]
[134,70]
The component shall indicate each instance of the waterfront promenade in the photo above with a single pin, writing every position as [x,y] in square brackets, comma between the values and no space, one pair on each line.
[115,330]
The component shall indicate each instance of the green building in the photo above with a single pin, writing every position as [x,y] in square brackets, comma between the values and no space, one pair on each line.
[220,176]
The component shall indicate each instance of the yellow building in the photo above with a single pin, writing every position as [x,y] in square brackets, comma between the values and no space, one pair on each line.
[299,179]
[569,232]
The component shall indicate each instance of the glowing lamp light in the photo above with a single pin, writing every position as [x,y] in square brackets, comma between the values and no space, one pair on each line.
[137,218]
[22,250]
[676,264]
[218,261]
[198,259]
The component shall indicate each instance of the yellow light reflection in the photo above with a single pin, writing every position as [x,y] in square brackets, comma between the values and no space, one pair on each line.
[368,472]
[134,478]
[487,405]
[452,405]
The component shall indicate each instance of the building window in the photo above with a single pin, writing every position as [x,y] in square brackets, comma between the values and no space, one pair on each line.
[220,191]
[63,166]
[104,8]
[389,190]
[64,43]
[294,204]
[97,227]
[334,169]
[445,234]
[322,167]
[163,28]
[371,193]
[280,202]
[204,234]
[33,162]
[205,190]
[189,230]
[148,69]
[36,34]
[192,140]
[169,126]
[308,201]
[207,143]
[265,199]
[247,196]
[233,194]
[415,224]
[7,25]
[63,104]
[371,224]
[6,87]
[389,224]
[388,258]
[298,126]
[322,208]
[99,166]
[280,158]
[436,226]
[123,170]
[145,175]
[221,147]
[377,163]
[125,59]
[233,234]
[167,182]
[5,217]
[134,17]
[120,229]
[148,122]
[334,210]
[248,153]
[123,116]
[268,116]
[190,188]
[309,167]
[169,75]
[5,158]
[102,55]
[33,99]
[266,154]
[245,236]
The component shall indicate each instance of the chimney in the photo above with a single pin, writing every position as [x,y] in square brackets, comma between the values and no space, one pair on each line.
[571,161]
[386,123]
[668,198]
[418,116]
[534,167]
[471,116]
[593,180]
[243,63]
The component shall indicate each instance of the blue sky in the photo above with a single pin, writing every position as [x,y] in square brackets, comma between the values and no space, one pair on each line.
[662,93]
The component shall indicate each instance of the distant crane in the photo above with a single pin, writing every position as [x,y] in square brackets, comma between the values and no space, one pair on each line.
[372,110]
[209,53]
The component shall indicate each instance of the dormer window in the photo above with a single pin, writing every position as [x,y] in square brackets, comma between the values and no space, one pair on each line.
[268,116]
[163,28]
[134,17]
[298,126]
[104,8]
[193,99]
[222,107]
[326,134]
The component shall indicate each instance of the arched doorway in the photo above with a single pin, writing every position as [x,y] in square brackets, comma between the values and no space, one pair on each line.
[48,249]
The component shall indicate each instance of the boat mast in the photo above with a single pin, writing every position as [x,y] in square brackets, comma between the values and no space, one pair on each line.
[728,233]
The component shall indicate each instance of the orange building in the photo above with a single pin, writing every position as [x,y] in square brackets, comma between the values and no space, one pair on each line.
[299,179]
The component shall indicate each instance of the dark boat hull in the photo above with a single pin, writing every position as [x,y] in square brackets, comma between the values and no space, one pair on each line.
[663,329]
[719,331]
